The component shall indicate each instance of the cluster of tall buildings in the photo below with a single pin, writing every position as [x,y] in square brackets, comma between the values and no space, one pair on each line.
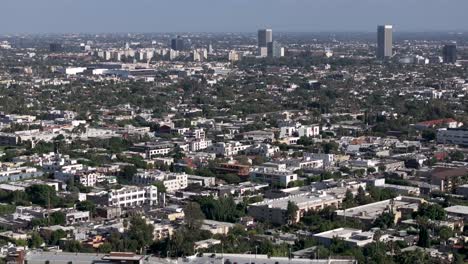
[267,47]
[385,45]
[178,44]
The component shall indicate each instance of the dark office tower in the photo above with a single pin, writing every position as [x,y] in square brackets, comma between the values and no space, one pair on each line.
[384,42]
[449,53]
[177,43]
[274,50]
[55,47]
[265,36]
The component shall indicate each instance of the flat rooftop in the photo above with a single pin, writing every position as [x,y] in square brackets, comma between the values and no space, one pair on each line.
[457,209]
[373,210]
[87,258]
[301,200]
[339,232]
[62,257]
[261,259]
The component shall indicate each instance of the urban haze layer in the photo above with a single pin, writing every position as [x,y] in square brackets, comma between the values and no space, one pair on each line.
[234,148]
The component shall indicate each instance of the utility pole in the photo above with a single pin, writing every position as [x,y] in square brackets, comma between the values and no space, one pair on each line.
[48,209]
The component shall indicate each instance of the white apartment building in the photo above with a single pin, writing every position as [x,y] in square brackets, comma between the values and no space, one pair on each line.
[61,163]
[287,131]
[148,177]
[65,169]
[154,149]
[175,182]
[263,149]
[304,163]
[195,133]
[309,131]
[172,181]
[272,175]
[328,159]
[298,130]
[18,173]
[131,196]
[228,149]
[89,178]
[199,144]
[7,171]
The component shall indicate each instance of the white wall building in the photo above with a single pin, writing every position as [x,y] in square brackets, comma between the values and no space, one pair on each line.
[175,182]
[228,149]
[353,237]
[172,181]
[309,131]
[131,196]
[272,176]
[199,144]
[328,159]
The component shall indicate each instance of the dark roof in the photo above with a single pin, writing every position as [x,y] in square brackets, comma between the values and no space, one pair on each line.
[444,173]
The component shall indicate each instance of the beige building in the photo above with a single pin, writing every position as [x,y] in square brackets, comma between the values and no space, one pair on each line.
[400,206]
[162,231]
[216,227]
[275,210]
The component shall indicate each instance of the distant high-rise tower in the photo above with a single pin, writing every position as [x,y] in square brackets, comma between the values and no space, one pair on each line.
[55,47]
[265,36]
[177,44]
[210,49]
[384,41]
[275,50]
[449,53]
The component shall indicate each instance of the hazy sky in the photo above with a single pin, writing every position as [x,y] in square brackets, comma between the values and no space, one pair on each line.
[54,16]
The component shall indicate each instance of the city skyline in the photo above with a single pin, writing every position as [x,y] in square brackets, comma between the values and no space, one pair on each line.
[54,16]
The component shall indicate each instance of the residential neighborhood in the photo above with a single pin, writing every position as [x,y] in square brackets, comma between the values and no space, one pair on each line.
[265,147]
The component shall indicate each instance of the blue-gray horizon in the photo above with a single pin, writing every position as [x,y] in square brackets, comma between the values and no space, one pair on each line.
[98,16]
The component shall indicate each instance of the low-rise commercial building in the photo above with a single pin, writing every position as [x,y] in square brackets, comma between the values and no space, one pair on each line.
[150,150]
[275,210]
[272,176]
[400,206]
[449,179]
[456,136]
[128,196]
[9,174]
[216,227]
[458,211]
[353,237]
[400,189]
[172,181]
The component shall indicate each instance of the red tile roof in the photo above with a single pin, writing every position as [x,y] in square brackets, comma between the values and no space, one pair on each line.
[436,122]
